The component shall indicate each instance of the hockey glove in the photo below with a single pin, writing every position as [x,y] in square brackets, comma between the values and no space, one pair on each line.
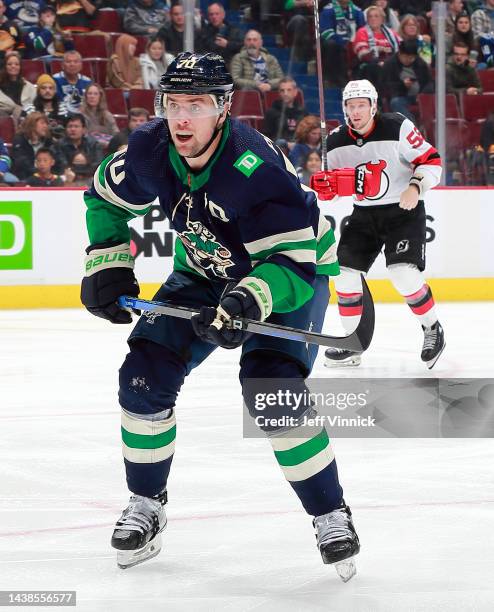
[239,302]
[339,182]
[109,274]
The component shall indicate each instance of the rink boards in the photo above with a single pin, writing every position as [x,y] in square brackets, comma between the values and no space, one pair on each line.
[43,236]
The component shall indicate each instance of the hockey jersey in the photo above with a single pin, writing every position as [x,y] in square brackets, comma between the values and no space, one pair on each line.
[392,151]
[244,214]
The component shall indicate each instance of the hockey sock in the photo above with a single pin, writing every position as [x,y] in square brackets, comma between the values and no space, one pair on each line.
[349,293]
[148,444]
[309,465]
[410,282]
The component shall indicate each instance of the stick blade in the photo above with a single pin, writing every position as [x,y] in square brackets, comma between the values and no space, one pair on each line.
[365,328]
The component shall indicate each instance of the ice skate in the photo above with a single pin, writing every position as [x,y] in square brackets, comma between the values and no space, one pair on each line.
[339,358]
[137,535]
[337,541]
[433,344]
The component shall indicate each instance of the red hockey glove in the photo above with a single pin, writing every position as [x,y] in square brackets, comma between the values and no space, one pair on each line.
[339,182]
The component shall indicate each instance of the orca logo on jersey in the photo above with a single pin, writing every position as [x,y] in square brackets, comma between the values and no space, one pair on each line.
[376,179]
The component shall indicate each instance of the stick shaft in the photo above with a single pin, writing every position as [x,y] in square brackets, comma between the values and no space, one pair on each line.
[358,341]
[320,86]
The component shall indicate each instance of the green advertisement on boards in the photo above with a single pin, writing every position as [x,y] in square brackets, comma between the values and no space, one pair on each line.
[16,236]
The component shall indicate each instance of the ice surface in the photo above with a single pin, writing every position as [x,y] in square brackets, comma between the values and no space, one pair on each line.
[237,538]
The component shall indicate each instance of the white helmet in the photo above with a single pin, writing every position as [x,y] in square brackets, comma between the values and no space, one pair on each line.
[359,89]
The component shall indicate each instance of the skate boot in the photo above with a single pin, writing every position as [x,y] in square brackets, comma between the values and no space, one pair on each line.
[433,344]
[137,535]
[337,540]
[338,358]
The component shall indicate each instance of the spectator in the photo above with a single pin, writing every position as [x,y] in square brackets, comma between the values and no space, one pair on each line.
[310,165]
[254,67]
[483,19]
[144,18]
[24,14]
[5,162]
[307,139]
[391,19]
[76,140]
[220,36]
[137,117]
[462,33]
[483,30]
[46,102]
[82,169]
[373,44]
[100,123]
[299,15]
[44,161]
[74,16]
[15,91]
[406,75]
[461,78]
[46,38]
[9,33]
[339,22]
[454,8]
[410,30]
[172,33]
[71,84]
[124,69]
[154,63]
[33,135]
[280,121]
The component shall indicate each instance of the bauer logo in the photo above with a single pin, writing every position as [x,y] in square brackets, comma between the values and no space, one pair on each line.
[16,241]
[247,163]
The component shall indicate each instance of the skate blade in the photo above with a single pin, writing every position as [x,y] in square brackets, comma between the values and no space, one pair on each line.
[432,362]
[129,558]
[350,362]
[346,569]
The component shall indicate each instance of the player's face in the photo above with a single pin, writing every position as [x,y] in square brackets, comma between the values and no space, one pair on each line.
[359,112]
[191,120]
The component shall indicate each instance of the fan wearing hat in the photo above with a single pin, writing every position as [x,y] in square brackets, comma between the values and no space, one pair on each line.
[405,75]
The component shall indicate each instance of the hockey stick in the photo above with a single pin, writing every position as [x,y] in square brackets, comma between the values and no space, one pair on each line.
[320,86]
[359,340]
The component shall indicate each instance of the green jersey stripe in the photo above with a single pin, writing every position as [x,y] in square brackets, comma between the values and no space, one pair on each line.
[133,440]
[268,242]
[303,451]
[286,246]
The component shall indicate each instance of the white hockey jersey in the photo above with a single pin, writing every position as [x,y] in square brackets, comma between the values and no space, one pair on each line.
[394,151]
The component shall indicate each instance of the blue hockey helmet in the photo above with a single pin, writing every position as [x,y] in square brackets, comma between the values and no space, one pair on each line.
[195,73]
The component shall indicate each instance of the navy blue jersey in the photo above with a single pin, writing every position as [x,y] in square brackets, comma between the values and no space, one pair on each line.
[245,214]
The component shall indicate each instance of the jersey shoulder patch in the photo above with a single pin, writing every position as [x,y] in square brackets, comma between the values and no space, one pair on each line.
[147,149]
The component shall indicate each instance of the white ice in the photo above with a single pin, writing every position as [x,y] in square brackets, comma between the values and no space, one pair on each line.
[237,538]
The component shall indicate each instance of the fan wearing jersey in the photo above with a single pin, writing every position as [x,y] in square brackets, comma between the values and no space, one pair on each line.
[251,243]
[386,164]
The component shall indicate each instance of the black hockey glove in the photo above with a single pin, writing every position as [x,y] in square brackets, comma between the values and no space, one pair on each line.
[109,274]
[243,301]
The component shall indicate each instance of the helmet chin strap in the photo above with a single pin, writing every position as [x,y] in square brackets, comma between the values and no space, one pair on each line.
[216,131]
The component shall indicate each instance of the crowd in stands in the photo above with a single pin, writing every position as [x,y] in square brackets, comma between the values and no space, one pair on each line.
[76,78]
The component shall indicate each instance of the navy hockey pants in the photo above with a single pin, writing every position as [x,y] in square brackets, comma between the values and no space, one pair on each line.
[164,350]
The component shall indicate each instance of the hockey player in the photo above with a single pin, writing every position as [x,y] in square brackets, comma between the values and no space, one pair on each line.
[251,243]
[386,164]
